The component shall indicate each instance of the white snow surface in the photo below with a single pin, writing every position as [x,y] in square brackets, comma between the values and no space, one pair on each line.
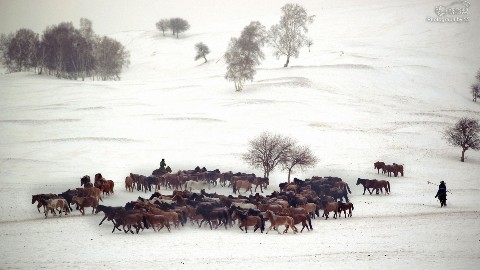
[399,83]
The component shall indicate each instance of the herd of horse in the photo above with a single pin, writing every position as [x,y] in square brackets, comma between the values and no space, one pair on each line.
[295,203]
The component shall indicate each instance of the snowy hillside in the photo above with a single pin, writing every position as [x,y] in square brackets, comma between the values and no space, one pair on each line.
[380,83]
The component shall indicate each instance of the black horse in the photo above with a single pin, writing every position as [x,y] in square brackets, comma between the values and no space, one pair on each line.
[443,199]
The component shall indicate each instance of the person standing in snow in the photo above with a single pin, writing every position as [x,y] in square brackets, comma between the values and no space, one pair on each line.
[442,193]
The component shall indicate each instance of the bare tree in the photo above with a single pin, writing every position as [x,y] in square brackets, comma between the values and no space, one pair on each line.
[300,156]
[163,25]
[202,51]
[465,134]
[178,25]
[244,53]
[288,36]
[267,151]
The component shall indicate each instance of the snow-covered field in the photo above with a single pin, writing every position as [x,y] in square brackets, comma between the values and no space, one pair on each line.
[398,84]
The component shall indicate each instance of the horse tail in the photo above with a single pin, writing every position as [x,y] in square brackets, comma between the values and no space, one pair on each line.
[348,188]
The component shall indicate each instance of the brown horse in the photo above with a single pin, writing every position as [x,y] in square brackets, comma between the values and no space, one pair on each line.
[157,222]
[301,218]
[397,168]
[329,207]
[83,202]
[173,181]
[129,220]
[242,184]
[85,181]
[260,181]
[344,207]
[379,165]
[246,221]
[276,221]
[374,184]
[42,203]
[99,180]
[129,183]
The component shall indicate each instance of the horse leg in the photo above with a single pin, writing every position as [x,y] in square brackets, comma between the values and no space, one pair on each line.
[286,229]
[295,230]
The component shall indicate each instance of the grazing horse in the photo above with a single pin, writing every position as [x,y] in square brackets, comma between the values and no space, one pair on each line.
[246,221]
[276,221]
[379,165]
[243,184]
[374,184]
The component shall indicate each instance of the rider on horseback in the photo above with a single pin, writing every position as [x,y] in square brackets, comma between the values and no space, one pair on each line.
[442,190]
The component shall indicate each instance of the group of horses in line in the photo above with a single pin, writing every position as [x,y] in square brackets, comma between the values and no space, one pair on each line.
[197,179]
[394,169]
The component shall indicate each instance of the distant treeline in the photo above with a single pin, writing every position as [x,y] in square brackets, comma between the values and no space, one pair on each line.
[65,52]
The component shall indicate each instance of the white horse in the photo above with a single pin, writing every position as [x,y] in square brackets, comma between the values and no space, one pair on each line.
[196,185]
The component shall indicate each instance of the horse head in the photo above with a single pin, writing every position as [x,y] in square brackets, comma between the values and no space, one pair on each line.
[360,181]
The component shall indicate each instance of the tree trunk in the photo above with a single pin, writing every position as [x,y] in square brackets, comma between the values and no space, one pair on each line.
[463,155]
[289,172]
[205,58]
[288,60]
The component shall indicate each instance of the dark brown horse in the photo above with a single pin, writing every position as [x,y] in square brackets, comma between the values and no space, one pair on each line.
[245,221]
[397,168]
[344,207]
[374,184]
[379,165]
[85,181]
[260,181]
